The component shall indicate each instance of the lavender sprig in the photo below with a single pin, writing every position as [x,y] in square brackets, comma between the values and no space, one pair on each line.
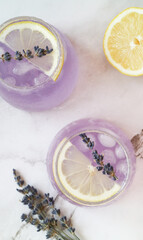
[43,213]
[98,158]
[39,52]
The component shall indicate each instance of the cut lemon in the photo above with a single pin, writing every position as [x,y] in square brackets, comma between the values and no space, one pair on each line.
[79,177]
[19,35]
[123,42]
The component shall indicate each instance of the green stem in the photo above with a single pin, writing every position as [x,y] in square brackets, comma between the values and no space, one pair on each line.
[76,237]
[61,233]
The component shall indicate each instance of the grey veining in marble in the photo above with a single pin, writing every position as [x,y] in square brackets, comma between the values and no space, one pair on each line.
[101,92]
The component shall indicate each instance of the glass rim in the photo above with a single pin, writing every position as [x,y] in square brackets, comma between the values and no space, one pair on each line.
[130,158]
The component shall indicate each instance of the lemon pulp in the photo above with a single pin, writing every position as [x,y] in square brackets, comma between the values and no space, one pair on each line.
[74,173]
[123,42]
[27,34]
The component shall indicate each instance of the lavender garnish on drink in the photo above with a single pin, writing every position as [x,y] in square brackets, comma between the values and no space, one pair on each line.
[39,52]
[98,158]
[43,213]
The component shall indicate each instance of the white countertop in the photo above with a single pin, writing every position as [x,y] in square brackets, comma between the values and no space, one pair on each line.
[101,92]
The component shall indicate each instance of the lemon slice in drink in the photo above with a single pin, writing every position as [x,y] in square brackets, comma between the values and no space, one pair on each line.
[123,42]
[78,178]
[26,34]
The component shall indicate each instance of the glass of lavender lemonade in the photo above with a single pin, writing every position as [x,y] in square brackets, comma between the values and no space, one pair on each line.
[91,162]
[38,65]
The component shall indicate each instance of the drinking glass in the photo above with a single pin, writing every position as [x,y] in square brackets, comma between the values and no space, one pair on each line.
[35,82]
[91,162]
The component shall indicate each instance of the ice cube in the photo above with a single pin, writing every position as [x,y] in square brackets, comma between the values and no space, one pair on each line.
[109,156]
[10,81]
[106,140]
[119,152]
[22,67]
[1,51]
[41,78]
[122,167]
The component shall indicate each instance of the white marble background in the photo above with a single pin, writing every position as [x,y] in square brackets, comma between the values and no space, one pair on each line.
[101,92]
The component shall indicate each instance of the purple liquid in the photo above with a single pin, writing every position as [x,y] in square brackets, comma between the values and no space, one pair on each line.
[25,86]
[109,140]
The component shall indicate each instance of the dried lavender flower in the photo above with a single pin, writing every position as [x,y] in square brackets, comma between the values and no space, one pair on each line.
[56,211]
[87,140]
[39,52]
[18,179]
[43,213]
[48,50]
[98,158]
[23,217]
[28,54]
[6,57]
[18,55]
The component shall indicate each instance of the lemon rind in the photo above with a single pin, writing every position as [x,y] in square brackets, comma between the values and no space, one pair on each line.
[75,193]
[44,30]
[105,41]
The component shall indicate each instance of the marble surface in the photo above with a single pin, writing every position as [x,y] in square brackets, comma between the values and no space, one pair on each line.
[101,92]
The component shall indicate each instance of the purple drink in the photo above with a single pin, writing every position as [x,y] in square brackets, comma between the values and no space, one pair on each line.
[75,171]
[37,83]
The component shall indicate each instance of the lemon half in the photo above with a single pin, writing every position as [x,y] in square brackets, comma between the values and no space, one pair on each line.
[123,42]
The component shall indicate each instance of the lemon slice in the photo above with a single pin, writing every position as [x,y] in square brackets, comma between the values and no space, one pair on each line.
[79,177]
[27,34]
[123,42]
